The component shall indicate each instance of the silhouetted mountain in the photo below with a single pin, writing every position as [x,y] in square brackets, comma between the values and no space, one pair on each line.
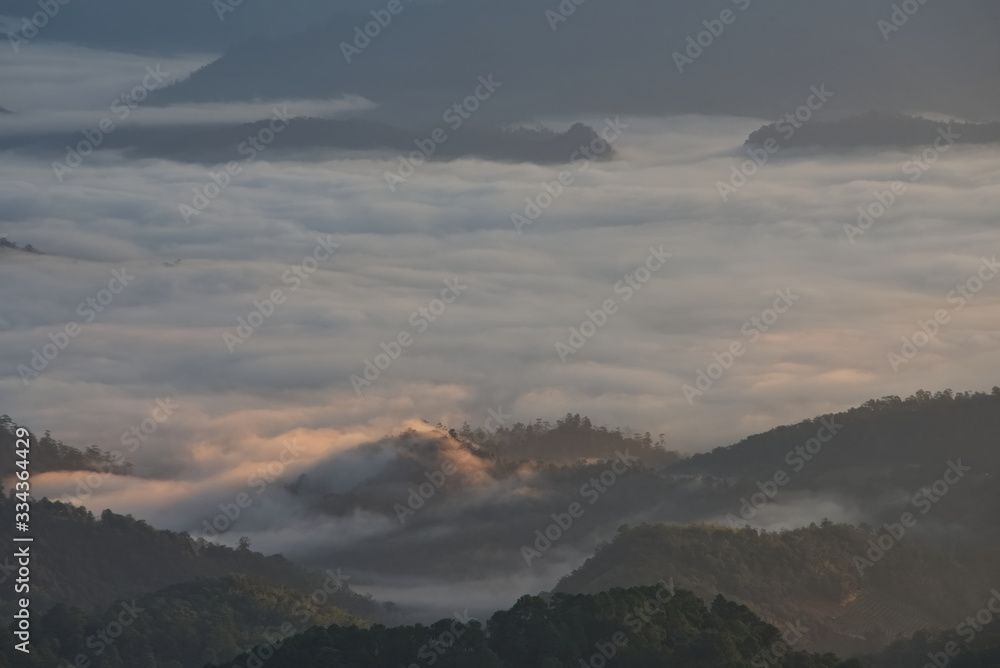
[306,138]
[877,129]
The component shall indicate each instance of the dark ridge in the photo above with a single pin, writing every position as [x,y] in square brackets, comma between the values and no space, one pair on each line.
[876,129]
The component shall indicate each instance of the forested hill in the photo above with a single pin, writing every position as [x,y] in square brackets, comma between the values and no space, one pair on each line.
[876,458]
[810,574]
[567,441]
[183,626]
[90,562]
[924,429]
[633,628]
[48,454]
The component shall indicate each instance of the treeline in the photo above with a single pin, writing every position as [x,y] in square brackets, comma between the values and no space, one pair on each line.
[567,441]
[884,452]
[90,562]
[183,626]
[811,574]
[6,243]
[629,628]
[972,645]
[921,428]
[48,454]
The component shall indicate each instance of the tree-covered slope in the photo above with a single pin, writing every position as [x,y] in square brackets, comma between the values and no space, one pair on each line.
[571,439]
[48,454]
[183,626]
[882,454]
[87,562]
[811,574]
[635,628]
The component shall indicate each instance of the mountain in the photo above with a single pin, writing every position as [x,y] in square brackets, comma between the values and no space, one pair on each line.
[215,144]
[570,440]
[410,69]
[929,457]
[883,455]
[810,574]
[5,111]
[642,626]
[92,562]
[877,129]
[445,507]
[182,626]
